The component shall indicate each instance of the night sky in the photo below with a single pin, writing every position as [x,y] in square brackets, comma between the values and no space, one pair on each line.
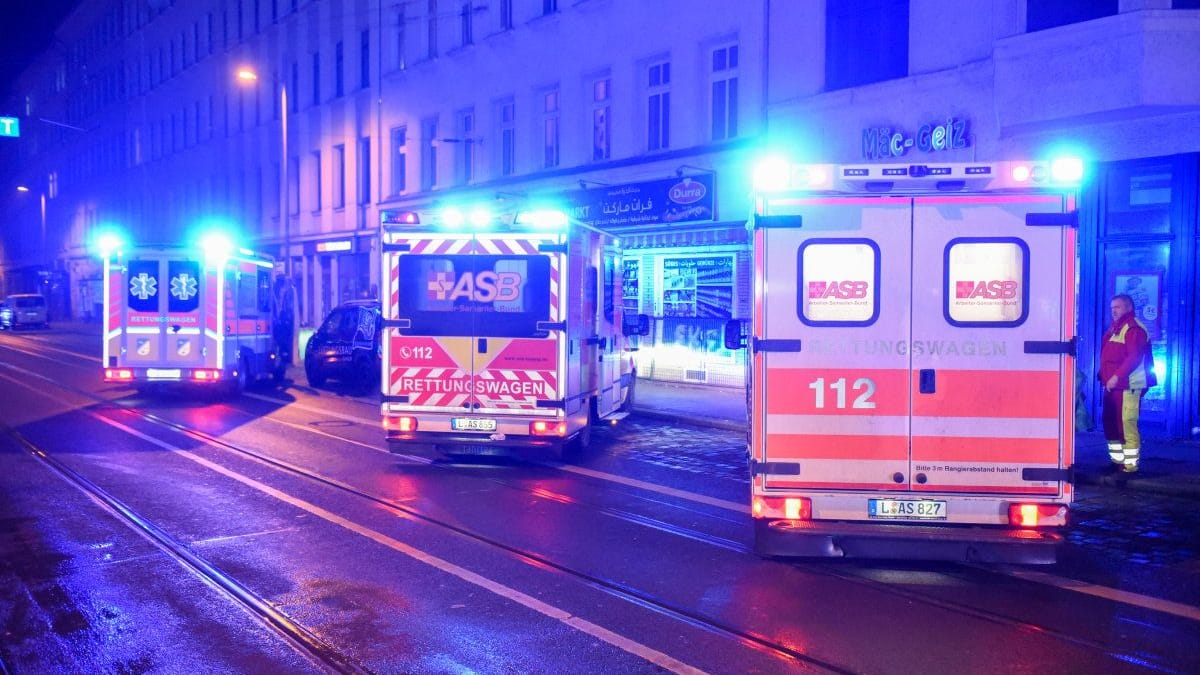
[26,27]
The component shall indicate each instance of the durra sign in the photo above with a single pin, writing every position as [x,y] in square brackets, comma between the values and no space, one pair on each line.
[888,143]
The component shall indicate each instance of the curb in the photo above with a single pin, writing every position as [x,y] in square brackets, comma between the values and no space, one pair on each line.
[693,420]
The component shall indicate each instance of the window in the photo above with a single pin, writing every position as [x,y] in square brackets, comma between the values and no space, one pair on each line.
[550,120]
[506,14]
[986,281]
[865,42]
[293,179]
[295,86]
[339,176]
[364,170]
[601,118]
[429,167]
[431,31]
[431,298]
[339,71]
[465,141]
[838,282]
[364,59]
[1043,14]
[698,286]
[401,38]
[658,126]
[724,92]
[631,299]
[399,160]
[316,78]
[549,7]
[465,16]
[315,183]
[507,133]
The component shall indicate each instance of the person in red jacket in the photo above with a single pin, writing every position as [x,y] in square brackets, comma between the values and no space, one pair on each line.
[1124,366]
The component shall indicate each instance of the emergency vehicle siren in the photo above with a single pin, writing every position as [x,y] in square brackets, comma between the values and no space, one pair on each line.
[107,242]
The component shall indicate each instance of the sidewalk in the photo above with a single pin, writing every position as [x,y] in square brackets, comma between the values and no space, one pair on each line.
[1168,466]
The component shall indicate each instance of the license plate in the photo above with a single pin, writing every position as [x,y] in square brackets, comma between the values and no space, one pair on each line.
[472,424]
[919,509]
[163,373]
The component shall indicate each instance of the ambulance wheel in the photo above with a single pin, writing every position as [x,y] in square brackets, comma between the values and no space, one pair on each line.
[630,396]
[241,379]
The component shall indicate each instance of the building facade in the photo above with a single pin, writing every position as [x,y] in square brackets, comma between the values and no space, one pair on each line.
[640,117]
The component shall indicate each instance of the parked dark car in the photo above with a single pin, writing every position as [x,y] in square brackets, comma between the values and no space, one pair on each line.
[346,347]
[24,309]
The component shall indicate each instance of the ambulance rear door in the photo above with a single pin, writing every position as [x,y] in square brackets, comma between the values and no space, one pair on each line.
[475,326]
[990,339]
[832,370]
[163,297]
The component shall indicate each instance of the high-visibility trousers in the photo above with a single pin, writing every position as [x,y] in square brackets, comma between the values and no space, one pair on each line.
[1121,410]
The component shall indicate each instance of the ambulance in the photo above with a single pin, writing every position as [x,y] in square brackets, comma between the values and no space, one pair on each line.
[911,360]
[502,336]
[176,316]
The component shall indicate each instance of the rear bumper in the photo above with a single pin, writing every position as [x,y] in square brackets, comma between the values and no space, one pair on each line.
[835,539]
[453,443]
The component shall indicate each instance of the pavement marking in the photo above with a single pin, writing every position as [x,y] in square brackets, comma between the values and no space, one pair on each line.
[43,345]
[621,642]
[1113,594]
[1086,588]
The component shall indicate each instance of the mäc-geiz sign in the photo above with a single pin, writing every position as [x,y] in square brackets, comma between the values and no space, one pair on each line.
[889,142]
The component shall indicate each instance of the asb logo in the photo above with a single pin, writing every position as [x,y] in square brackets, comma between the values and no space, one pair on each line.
[484,286]
[842,290]
[990,290]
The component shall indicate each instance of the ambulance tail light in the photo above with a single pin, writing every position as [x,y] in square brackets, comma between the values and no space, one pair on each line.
[403,423]
[1037,515]
[547,428]
[206,375]
[117,374]
[788,508]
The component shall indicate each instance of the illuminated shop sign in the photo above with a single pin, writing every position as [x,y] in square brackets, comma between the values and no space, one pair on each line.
[673,200]
[334,246]
[889,142]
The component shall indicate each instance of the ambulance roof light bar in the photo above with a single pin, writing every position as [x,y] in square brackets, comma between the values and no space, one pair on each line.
[107,243]
[401,218]
[543,219]
[1060,173]
[217,247]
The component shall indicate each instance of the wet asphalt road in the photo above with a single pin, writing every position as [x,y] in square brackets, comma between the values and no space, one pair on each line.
[632,556]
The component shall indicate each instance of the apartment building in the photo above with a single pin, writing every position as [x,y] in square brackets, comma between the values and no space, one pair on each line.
[609,107]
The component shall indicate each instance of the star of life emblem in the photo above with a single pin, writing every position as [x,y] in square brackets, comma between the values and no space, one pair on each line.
[143,286]
[183,286]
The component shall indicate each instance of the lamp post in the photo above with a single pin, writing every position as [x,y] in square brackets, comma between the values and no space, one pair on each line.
[42,216]
[247,75]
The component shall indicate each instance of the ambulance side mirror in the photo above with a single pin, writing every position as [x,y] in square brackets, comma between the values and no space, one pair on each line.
[637,324]
[734,339]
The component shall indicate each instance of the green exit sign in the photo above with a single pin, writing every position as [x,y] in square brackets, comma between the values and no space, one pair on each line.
[10,126]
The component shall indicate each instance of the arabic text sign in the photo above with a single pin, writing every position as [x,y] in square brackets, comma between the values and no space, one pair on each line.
[663,201]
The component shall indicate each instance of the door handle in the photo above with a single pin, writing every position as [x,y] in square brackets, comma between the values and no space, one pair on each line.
[482,345]
[928,383]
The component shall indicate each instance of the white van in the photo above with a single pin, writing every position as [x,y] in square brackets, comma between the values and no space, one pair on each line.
[25,309]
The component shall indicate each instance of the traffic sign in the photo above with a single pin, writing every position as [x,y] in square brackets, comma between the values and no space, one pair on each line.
[10,126]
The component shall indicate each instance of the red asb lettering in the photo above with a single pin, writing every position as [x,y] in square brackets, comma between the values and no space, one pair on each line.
[990,290]
[842,290]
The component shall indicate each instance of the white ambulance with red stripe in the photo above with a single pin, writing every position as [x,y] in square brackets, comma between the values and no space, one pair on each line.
[501,335]
[911,370]
[187,316]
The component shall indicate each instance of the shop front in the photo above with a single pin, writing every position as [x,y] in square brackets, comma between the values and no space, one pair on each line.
[683,267]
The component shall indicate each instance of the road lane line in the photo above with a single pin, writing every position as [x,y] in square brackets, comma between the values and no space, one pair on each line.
[621,642]
[1063,583]
[41,345]
[1113,594]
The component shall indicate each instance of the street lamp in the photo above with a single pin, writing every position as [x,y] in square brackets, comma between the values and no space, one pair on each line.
[42,211]
[247,75]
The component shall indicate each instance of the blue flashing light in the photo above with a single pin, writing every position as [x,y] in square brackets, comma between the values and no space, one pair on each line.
[772,175]
[107,242]
[453,218]
[1066,170]
[217,247]
[480,218]
[543,219]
